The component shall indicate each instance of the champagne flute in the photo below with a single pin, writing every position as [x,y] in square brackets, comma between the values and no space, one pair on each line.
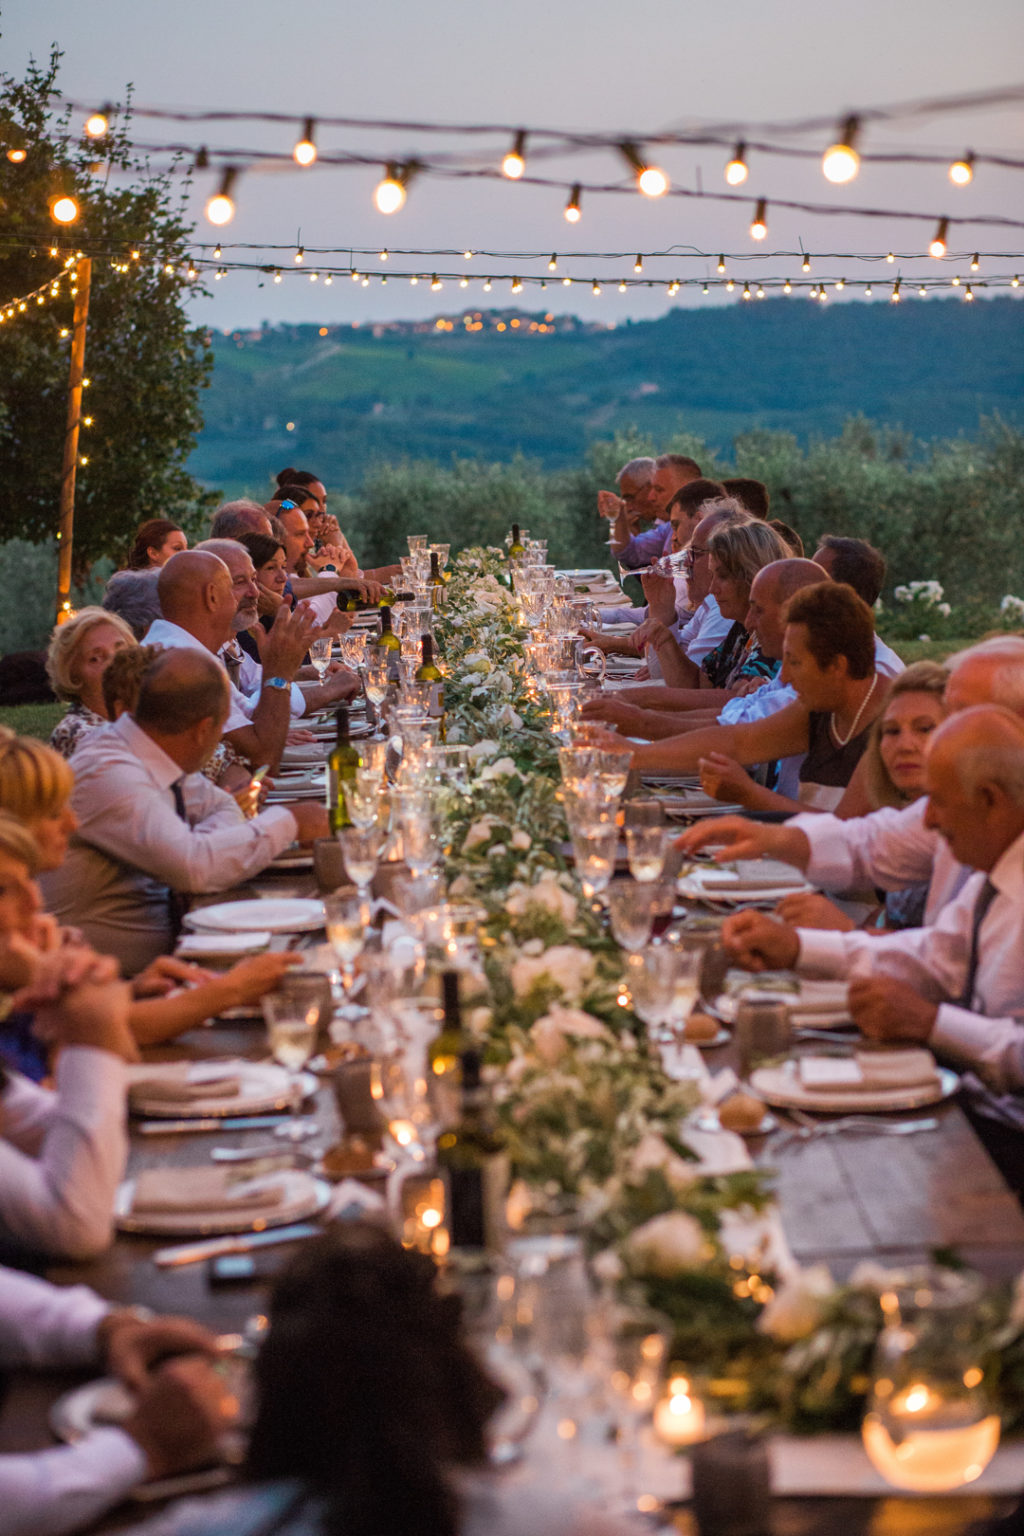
[419,841]
[320,655]
[360,852]
[291,1016]
[375,682]
[348,917]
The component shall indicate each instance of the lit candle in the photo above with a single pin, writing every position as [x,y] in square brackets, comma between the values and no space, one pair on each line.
[679,1419]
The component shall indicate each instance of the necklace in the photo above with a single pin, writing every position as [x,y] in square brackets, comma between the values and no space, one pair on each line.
[844,741]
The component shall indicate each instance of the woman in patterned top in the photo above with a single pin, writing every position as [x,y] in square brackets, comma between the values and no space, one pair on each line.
[79,651]
[737,551]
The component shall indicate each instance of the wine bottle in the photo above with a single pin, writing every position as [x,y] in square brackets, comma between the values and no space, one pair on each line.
[351,602]
[342,763]
[428,672]
[516,548]
[451,1040]
[474,1165]
[388,640]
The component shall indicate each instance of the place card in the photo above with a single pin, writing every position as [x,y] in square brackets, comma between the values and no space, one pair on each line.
[830,1071]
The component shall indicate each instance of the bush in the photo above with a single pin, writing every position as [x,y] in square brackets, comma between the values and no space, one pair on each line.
[28,575]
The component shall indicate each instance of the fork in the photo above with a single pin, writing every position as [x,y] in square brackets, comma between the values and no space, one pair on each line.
[809,1130]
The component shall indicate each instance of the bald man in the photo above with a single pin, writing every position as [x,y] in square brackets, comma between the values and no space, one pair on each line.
[957,986]
[199,603]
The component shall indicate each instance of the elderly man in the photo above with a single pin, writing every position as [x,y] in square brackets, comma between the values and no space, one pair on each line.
[199,601]
[149,824]
[238,517]
[890,849]
[671,472]
[322,586]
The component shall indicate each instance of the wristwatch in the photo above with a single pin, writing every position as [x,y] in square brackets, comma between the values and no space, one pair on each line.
[276,682]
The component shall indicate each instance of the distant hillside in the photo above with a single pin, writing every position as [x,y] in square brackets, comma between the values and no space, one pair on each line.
[356,397]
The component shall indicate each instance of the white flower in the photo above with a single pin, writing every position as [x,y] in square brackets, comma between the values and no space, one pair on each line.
[521,840]
[668,1245]
[607,1266]
[652,1152]
[460,886]
[504,768]
[798,1306]
[566,965]
[508,716]
[547,893]
[496,850]
[476,661]
[944,609]
[478,832]
[551,1034]
[482,749]
[1013,606]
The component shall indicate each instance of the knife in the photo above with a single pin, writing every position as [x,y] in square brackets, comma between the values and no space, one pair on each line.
[239,1123]
[195,1253]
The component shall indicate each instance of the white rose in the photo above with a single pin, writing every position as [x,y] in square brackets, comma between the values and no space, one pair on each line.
[668,1245]
[496,850]
[478,832]
[550,1035]
[508,716]
[521,840]
[482,749]
[504,768]
[566,965]
[460,886]
[547,893]
[652,1152]
[607,1266]
[798,1306]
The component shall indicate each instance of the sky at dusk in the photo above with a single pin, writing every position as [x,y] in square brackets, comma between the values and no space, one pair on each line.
[627,70]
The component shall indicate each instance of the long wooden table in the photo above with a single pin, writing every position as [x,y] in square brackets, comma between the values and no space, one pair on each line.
[842,1200]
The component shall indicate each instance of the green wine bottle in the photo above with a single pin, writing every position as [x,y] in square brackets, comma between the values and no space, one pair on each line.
[474,1165]
[429,673]
[342,763]
[516,548]
[388,640]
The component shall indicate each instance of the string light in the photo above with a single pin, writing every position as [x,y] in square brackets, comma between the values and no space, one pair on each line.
[705,290]
[737,170]
[487,285]
[975,263]
[890,258]
[300,255]
[16,152]
[383,255]
[596,289]
[314,277]
[463,282]
[517,285]
[218,251]
[840,284]
[553,263]
[1015,281]
[730,285]
[623,286]
[97,124]
[867,290]
[566,282]
[650,179]
[937,247]
[787,286]
[961,172]
[673,288]
[759,227]
[304,153]
[955,281]
[277,275]
[922,290]
[328,280]
[746,290]
[467,255]
[968,294]
[841,162]
[573,211]
[514,163]
[721,264]
[436,284]
[638,265]
[63,208]
[760,292]
[391,190]
[805,265]
[894,297]
[220,208]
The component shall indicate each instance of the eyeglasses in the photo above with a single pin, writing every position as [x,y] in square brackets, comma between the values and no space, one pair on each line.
[693,555]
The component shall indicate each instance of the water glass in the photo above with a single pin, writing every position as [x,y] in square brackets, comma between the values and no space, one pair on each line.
[651,978]
[594,851]
[613,769]
[417,542]
[645,850]
[320,655]
[360,849]
[348,917]
[630,913]
[763,1031]
[292,1015]
[420,844]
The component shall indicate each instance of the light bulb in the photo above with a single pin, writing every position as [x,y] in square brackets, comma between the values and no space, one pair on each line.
[721,264]
[937,248]
[435,283]
[638,265]
[730,285]
[220,209]
[746,290]
[737,171]
[573,212]
[304,152]
[650,179]
[622,286]
[840,285]
[566,282]
[894,297]
[1015,281]
[467,255]
[704,290]
[841,162]
[955,281]
[383,255]
[968,294]
[553,263]
[975,263]
[16,155]
[300,255]
[217,251]
[760,291]
[514,163]
[805,265]
[673,288]
[63,209]
[487,285]
[517,285]
[314,277]
[787,286]
[328,280]
[867,291]
[97,124]
[596,288]
[463,282]
[961,172]
[922,290]
[759,228]
[277,277]
[390,194]
[890,258]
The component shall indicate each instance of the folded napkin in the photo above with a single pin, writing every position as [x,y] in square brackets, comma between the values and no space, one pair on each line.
[752,875]
[151,1090]
[198,945]
[870,1071]
[820,997]
[173,1191]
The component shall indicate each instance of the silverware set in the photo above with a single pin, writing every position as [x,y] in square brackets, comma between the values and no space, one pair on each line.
[804,1128]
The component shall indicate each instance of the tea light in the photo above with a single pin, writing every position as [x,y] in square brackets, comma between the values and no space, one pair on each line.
[679,1419]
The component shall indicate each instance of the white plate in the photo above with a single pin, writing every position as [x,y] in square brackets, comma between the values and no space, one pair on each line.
[590,575]
[304,1196]
[293,858]
[707,1120]
[749,880]
[263,1087]
[709,1045]
[782,1087]
[292,915]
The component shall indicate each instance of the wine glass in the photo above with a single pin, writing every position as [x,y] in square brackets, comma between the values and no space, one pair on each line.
[320,655]
[645,850]
[594,851]
[419,842]
[375,681]
[630,910]
[360,852]
[686,988]
[637,1344]
[417,542]
[402,1096]
[348,917]
[362,797]
[651,976]
[291,1015]
[613,770]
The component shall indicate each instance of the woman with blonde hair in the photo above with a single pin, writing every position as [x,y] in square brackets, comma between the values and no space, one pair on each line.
[78,653]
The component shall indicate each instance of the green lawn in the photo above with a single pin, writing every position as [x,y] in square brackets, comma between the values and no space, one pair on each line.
[32,719]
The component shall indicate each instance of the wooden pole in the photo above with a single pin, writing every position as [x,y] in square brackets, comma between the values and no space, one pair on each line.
[65,536]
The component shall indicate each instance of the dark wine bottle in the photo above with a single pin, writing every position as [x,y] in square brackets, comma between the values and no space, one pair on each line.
[516,548]
[342,763]
[429,673]
[473,1162]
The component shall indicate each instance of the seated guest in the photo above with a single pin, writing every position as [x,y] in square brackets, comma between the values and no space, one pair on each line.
[325,529]
[62,1153]
[629,510]
[788,535]
[36,787]
[156,541]
[173,1428]
[828,656]
[132,596]
[671,472]
[861,566]
[200,604]
[890,849]
[149,823]
[315,577]
[78,652]
[271,566]
[752,495]
[371,1413]
[233,518]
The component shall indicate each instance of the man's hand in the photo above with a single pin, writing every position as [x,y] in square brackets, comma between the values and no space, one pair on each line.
[810,909]
[886,1009]
[748,685]
[654,633]
[371,591]
[288,641]
[181,1413]
[660,592]
[609,505]
[166,973]
[341,685]
[251,979]
[52,974]
[93,1014]
[613,711]
[328,554]
[131,1348]
[310,820]
[758,942]
[723,778]
[732,837]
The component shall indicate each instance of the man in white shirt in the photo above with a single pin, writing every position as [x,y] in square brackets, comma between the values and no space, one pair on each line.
[958,985]
[179,1412]
[149,823]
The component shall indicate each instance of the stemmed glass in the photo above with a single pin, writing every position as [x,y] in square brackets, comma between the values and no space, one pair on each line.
[613,770]
[637,1342]
[348,917]
[360,852]
[419,841]
[645,849]
[594,849]
[292,1015]
[403,1099]
[375,681]
[353,649]
[631,911]
[362,797]
[417,542]
[651,976]
[320,655]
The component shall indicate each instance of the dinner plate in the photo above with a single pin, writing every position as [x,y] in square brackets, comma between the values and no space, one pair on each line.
[781,1086]
[746,880]
[304,1196]
[263,1087]
[590,575]
[292,915]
